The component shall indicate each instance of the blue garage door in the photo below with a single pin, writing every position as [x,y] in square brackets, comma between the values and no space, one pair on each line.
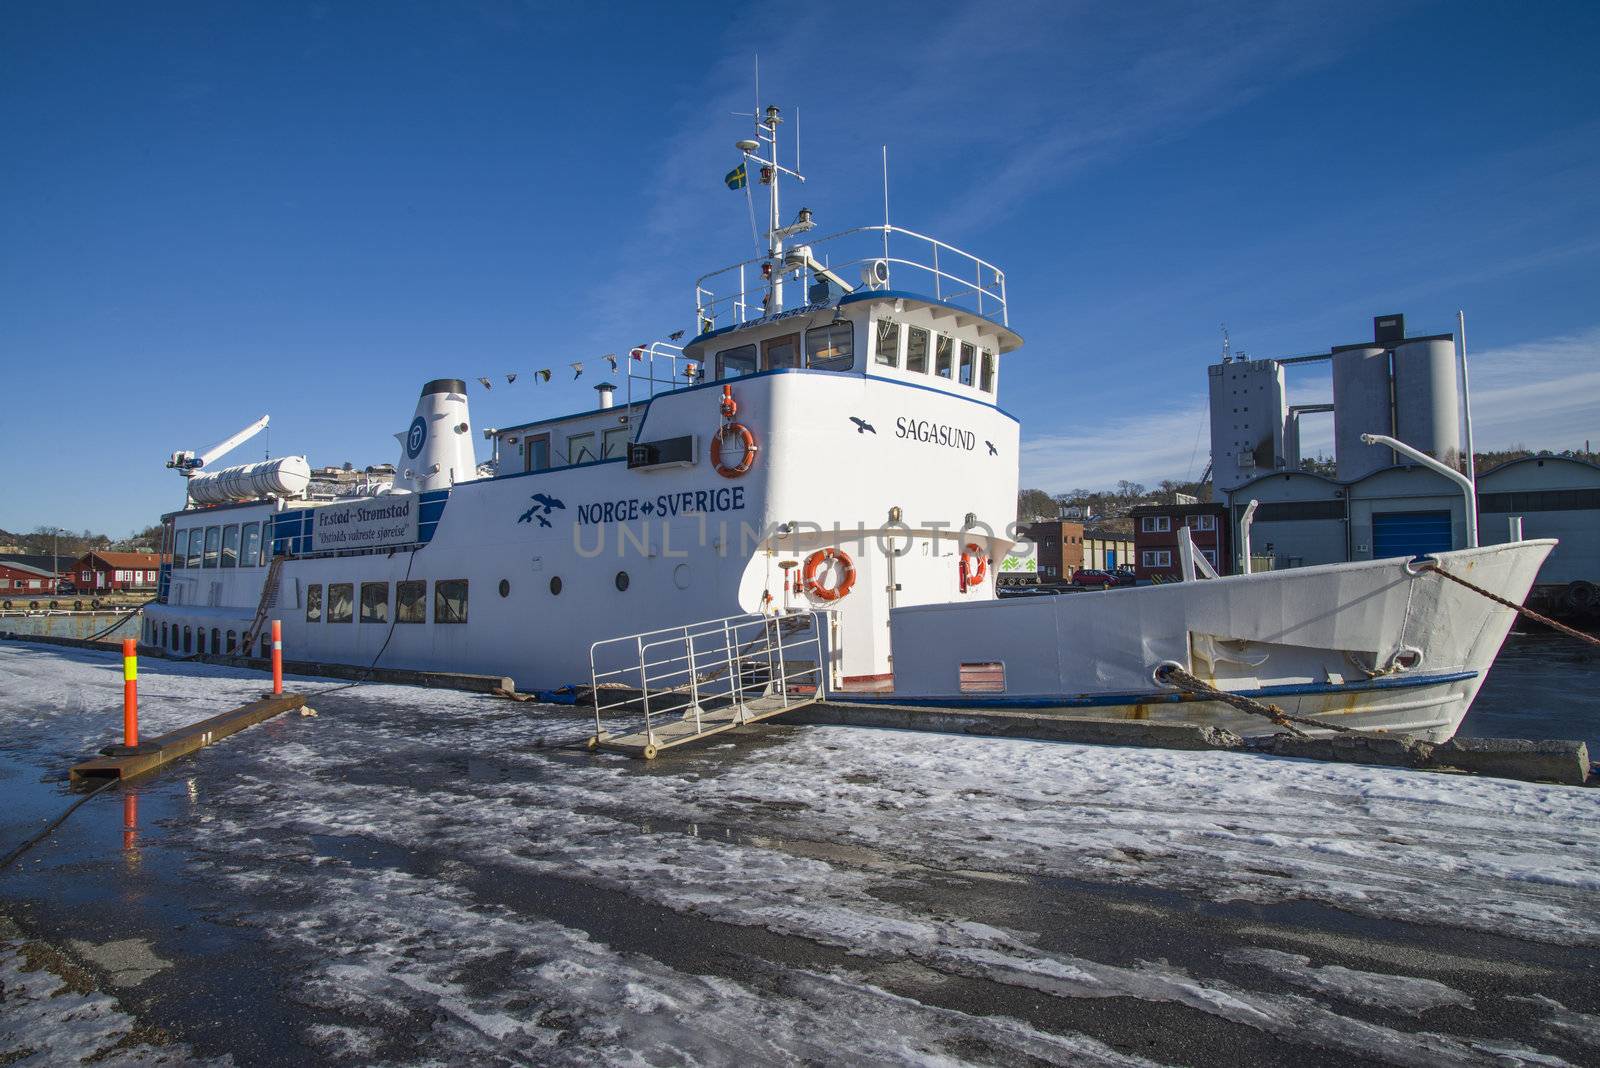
[1410,534]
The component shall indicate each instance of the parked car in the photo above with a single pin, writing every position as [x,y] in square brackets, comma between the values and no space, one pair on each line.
[1091,579]
[1126,576]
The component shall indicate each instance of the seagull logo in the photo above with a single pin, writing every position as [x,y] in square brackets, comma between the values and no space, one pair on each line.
[862,426]
[992,450]
[543,505]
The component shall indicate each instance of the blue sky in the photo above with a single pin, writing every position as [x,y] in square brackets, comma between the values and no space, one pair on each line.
[211,211]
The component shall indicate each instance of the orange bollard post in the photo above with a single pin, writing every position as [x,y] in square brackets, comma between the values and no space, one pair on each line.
[277,658]
[130,692]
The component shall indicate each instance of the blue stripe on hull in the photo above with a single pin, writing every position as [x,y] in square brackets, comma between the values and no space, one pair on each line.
[1153,698]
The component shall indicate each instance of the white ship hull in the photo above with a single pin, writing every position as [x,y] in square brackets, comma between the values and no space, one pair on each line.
[1378,645]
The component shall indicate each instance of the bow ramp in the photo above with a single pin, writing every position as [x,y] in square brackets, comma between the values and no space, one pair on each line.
[663,688]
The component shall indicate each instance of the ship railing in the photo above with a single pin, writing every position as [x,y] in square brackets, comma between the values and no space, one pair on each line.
[659,367]
[912,261]
[663,687]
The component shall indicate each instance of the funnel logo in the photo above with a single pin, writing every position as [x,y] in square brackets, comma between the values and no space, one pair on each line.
[416,437]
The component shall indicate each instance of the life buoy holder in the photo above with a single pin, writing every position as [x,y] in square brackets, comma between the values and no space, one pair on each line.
[730,407]
[739,433]
[974,564]
[812,572]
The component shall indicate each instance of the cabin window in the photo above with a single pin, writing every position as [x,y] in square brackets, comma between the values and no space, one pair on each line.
[967,355]
[781,351]
[180,550]
[888,343]
[983,676]
[233,642]
[374,602]
[230,545]
[832,346]
[213,546]
[536,452]
[917,350]
[314,603]
[411,602]
[250,545]
[341,602]
[944,356]
[731,363]
[615,443]
[580,448]
[450,601]
[986,370]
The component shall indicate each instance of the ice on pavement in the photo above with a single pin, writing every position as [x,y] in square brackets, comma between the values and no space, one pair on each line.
[45,1023]
[809,839]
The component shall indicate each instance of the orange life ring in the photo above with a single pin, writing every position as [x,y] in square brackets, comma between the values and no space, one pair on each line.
[740,433]
[977,570]
[813,569]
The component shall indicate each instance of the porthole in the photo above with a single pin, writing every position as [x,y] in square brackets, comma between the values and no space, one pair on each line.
[505,587]
[622,580]
[680,576]
[555,585]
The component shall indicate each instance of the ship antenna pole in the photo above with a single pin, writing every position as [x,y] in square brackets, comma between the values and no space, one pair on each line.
[886,202]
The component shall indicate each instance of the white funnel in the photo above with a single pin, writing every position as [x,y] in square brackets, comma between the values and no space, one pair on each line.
[436,449]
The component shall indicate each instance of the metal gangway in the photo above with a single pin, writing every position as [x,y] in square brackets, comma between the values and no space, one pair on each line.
[663,688]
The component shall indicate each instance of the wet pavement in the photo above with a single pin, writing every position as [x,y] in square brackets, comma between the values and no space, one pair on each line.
[416,876]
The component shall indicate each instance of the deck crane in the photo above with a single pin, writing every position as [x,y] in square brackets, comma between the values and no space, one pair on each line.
[187,463]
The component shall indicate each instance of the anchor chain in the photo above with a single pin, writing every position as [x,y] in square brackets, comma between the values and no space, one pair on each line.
[1523,610]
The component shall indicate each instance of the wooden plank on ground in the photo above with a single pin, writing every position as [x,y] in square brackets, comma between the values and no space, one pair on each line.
[170,746]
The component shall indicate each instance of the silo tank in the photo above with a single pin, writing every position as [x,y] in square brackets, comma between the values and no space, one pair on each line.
[1361,405]
[1427,399]
[287,476]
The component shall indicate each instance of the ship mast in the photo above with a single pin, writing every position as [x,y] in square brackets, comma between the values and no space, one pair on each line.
[767,123]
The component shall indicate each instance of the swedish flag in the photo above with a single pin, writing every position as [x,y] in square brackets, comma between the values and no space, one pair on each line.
[736,178]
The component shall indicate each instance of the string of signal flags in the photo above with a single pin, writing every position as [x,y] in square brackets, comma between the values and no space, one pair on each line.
[640,352]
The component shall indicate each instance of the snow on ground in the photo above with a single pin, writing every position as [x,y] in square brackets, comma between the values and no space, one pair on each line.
[825,836]
[45,1022]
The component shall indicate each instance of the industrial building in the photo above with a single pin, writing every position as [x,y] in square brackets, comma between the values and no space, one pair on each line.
[1380,503]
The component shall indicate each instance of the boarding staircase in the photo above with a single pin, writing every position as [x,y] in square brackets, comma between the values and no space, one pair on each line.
[663,688]
[269,601]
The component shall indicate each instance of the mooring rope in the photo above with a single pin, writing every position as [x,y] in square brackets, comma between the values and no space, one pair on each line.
[1521,609]
[1173,675]
[11,857]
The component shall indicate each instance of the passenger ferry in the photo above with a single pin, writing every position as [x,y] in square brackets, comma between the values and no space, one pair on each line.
[830,450]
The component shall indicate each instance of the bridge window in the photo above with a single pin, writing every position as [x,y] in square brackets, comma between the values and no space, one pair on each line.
[450,601]
[341,602]
[967,355]
[374,602]
[917,350]
[986,370]
[213,546]
[731,363]
[411,602]
[536,452]
[230,545]
[944,355]
[314,603]
[615,442]
[580,448]
[888,343]
[180,550]
[781,351]
[832,346]
[250,545]
[196,540]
